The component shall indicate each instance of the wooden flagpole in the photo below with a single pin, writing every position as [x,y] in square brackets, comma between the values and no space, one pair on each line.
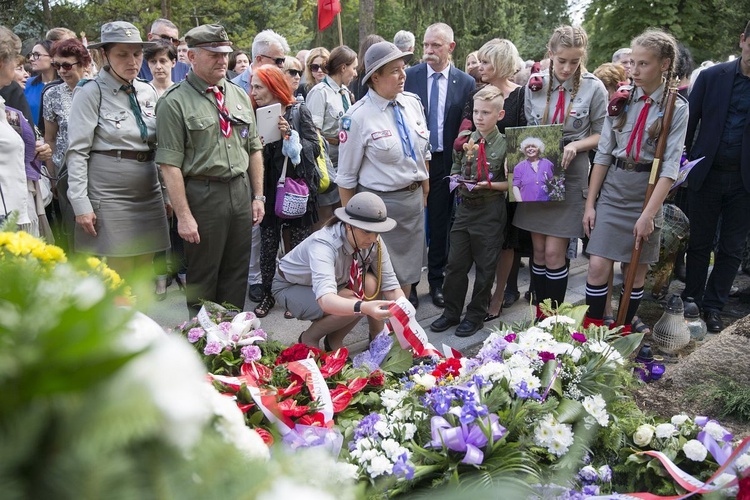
[341,33]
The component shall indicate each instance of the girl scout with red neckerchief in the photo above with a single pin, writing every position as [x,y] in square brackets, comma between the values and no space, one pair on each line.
[569,95]
[621,172]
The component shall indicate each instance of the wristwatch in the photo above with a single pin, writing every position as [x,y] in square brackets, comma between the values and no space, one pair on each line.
[358,307]
[259,198]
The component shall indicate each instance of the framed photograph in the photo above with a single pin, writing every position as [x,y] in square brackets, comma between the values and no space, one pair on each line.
[534,163]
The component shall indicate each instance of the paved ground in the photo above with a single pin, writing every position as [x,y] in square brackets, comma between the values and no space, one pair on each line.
[173,311]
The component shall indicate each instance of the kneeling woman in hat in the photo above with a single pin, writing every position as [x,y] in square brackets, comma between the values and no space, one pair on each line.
[113,185]
[333,277]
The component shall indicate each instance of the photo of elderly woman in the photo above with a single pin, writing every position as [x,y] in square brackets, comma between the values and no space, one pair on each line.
[536,175]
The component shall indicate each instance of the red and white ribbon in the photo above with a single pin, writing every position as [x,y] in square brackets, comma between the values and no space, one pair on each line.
[408,332]
[308,370]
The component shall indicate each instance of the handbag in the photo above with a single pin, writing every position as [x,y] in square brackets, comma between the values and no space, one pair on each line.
[291,196]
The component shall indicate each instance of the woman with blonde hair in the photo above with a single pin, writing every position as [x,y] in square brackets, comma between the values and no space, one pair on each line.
[315,67]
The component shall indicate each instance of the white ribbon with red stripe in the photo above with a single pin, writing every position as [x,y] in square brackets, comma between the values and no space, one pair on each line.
[308,370]
[408,332]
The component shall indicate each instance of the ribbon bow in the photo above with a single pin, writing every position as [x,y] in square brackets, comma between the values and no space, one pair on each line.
[465,438]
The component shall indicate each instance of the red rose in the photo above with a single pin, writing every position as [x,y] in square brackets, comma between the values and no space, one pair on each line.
[450,366]
[377,379]
[297,352]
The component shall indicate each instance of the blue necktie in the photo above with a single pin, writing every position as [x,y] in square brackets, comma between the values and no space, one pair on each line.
[403,132]
[432,117]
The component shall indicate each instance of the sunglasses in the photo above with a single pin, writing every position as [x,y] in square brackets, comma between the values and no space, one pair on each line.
[294,72]
[66,66]
[37,55]
[175,41]
[317,67]
[278,61]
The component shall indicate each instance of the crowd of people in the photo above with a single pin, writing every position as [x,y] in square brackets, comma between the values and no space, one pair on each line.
[149,152]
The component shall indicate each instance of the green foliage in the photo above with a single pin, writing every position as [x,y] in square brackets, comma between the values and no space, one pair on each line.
[709,29]
[731,398]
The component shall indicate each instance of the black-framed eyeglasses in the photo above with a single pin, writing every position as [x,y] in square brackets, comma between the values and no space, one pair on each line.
[37,55]
[65,65]
[175,41]
[317,67]
[294,72]
[278,61]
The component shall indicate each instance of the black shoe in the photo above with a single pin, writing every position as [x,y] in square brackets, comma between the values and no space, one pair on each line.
[468,328]
[413,297]
[714,324]
[255,292]
[437,296]
[510,298]
[442,324]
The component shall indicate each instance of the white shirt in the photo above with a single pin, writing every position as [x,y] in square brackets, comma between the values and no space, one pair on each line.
[443,87]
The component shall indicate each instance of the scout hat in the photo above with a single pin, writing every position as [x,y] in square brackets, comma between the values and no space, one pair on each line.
[212,37]
[119,32]
[380,54]
[366,211]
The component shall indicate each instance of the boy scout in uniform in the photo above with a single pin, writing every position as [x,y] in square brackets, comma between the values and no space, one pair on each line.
[477,233]
[210,155]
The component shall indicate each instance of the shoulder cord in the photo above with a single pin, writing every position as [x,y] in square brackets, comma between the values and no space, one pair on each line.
[379,275]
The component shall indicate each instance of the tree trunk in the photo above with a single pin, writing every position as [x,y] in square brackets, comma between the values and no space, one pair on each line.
[166,9]
[366,19]
[47,14]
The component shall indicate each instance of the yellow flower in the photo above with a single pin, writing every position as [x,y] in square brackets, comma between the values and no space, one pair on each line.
[22,244]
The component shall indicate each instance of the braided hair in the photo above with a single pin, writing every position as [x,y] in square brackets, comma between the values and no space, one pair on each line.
[566,37]
[663,46]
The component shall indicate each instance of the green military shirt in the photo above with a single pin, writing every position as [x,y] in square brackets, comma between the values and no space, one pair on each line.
[188,132]
[495,147]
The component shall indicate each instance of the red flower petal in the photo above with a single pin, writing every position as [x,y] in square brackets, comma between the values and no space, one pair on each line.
[341,397]
[377,379]
[290,408]
[333,362]
[356,385]
[266,436]
[245,408]
[291,389]
[316,419]
[259,372]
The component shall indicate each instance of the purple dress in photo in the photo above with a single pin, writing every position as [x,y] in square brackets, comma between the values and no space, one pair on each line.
[531,184]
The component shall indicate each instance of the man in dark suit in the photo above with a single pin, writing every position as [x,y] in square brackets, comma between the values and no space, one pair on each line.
[443,90]
[166,30]
[719,185]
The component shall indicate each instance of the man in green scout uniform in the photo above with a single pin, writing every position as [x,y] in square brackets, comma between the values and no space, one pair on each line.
[212,162]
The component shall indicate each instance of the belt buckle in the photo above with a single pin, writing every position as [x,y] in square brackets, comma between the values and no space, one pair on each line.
[629,166]
[413,186]
[141,156]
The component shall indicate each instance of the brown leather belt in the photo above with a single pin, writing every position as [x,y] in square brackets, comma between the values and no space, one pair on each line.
[213,178]
[411,187]
[631,166]
[142,156]
[332,140]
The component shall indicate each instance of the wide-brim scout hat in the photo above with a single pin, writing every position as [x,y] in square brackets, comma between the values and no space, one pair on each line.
[211,37]
[380,54]
[366,211]
[120,32]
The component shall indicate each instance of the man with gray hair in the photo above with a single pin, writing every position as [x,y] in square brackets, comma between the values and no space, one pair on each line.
[622,57]
[404,40]
[167,31]
[444,90]
[268,48]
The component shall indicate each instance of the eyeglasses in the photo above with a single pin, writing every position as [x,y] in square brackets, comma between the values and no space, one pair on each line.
[317,67]
[36,55]
[278,61]
[294,72]
[66,66]
[175,41]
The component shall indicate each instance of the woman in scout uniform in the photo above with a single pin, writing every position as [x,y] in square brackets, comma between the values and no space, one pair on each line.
[337,275]
[577,99]
[327,102]
[615,221]
[113,184]
[384,148]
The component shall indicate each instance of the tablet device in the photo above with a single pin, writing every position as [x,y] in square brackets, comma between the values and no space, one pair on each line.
[267,120]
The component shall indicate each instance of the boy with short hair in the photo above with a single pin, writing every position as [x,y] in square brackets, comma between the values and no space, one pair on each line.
[476,237]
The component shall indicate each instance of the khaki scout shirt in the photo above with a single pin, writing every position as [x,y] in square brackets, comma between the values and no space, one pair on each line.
[187,128]
[326,106]
[495,147]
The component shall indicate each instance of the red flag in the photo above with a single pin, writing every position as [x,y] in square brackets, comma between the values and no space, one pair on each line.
[327,10]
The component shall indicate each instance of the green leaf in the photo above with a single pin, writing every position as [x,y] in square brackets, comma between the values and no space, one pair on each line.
[569,411]
[398,360]
[628,344]
[547,372]
[578,313]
